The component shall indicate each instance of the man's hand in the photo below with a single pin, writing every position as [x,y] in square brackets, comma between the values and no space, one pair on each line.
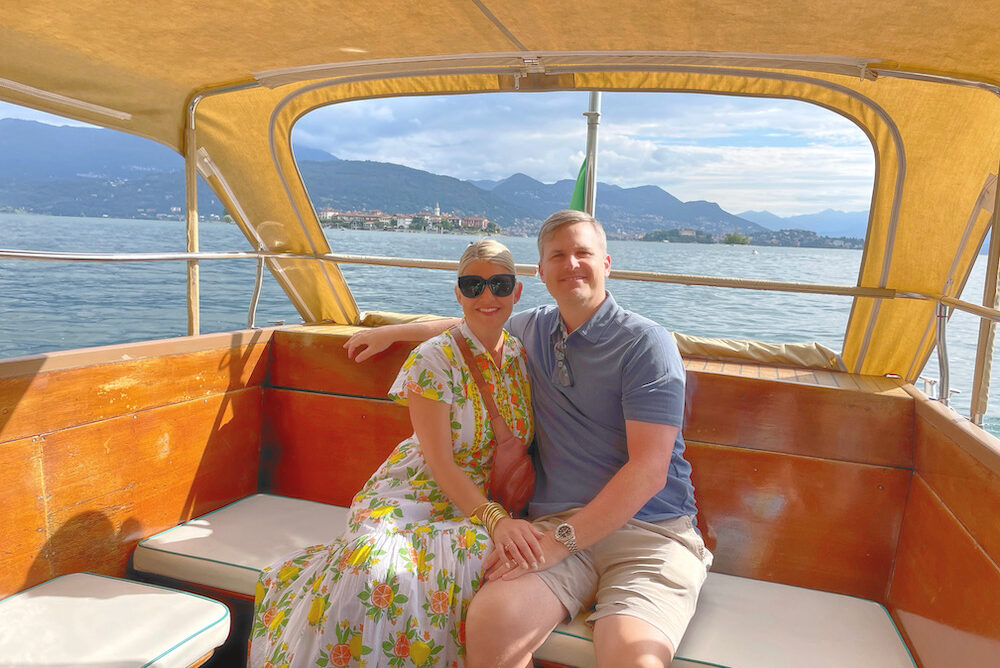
[369,342]
[495,566]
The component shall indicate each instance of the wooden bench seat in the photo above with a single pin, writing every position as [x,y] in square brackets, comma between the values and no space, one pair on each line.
[83,619]
[740,622]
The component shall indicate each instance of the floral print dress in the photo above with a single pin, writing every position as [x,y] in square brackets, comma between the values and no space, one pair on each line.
[394,589]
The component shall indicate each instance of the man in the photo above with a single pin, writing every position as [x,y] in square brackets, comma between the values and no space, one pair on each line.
[613,494]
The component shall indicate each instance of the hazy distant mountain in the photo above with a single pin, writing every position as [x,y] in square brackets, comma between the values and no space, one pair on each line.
[366,185]
[828,223]
[485,184]
[640,209]
[312,154]
[765,218]
[32,150]
[73,171]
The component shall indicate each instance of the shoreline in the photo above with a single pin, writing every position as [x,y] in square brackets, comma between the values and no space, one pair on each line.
[476,233]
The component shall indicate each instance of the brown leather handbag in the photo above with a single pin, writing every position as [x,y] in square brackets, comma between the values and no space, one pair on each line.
[513,479]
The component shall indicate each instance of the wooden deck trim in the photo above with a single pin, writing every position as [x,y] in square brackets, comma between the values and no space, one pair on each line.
[800,418]
[785,374]
[48,401]
[28,365]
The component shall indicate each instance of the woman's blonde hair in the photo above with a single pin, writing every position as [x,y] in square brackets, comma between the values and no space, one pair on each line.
[489,250]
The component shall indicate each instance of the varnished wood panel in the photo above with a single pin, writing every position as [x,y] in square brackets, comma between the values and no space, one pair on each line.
[318,362]
[324,447]
[51,400]
[945,590]
[800,419]
[968,487]
[822,524]
[112,482]
[22,512]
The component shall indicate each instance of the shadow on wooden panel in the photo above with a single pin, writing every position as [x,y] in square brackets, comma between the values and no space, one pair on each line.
[324,447]
[110,483]
[815,421]
[318,362]
[89,541]
[945,590]
[803,521]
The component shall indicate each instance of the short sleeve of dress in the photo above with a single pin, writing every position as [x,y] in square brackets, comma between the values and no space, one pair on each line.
[429,371]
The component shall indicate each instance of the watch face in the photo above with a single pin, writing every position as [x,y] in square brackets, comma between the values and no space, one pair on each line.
[564,531]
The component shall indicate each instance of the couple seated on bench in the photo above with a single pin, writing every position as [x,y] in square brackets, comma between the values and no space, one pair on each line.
[607,387]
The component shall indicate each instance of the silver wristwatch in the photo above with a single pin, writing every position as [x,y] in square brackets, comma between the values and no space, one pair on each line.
[567,536]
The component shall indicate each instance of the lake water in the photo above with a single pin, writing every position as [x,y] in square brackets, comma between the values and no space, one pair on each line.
[46,306]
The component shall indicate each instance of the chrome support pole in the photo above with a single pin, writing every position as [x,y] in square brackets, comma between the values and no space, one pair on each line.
[593,120]
[252,315]
[987,328]
[944,389]
[191,190]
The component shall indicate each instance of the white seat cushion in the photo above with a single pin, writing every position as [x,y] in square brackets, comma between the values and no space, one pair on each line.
[228,548]
[743,623]
[740,623]
[94,620]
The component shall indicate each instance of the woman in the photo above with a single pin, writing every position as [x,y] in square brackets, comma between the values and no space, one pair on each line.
[394,589]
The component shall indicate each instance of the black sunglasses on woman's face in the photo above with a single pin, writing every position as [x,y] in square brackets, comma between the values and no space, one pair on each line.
[500,285]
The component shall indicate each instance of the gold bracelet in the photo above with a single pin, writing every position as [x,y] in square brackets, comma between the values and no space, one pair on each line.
[491,514]
[475,515]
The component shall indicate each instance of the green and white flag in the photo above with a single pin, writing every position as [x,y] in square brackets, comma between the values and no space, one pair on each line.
[578,201]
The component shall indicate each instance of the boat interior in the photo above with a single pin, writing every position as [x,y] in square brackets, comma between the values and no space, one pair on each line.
[845,483]
[819,485]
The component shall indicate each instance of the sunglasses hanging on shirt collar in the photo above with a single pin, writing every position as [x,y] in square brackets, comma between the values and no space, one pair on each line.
[500,285]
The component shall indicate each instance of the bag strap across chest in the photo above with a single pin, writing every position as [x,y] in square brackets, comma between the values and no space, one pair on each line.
[500,429]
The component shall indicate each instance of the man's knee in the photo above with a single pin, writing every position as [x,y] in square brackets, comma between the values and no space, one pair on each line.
[507,621]
[490,605]
[623,640]
[512,607]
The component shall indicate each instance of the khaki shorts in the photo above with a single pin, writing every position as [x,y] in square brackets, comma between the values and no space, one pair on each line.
[650,571]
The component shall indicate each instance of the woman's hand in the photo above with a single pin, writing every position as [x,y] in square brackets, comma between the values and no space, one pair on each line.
[516,541]
[369,342]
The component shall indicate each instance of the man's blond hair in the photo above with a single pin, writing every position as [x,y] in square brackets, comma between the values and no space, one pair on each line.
[568,217]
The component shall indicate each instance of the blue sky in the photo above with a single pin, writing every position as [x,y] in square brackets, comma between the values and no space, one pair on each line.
[745,153]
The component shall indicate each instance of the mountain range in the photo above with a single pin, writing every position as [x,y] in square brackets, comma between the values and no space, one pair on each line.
[77,171]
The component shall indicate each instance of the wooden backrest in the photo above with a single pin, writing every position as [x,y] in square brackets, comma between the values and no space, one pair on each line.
[327,421]
[801,477]
[104,446]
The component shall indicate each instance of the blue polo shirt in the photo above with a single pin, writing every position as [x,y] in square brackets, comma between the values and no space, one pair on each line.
[618,366]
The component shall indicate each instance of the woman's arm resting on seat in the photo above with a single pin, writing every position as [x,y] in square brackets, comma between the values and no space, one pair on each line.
[369,342]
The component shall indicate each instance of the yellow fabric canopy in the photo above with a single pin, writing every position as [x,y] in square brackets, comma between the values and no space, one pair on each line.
[919,79]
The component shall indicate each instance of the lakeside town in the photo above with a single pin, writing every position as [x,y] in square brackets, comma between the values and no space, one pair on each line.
[445,222]
[424,221]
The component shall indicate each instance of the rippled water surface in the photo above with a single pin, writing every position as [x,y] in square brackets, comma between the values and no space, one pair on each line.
[47,306]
